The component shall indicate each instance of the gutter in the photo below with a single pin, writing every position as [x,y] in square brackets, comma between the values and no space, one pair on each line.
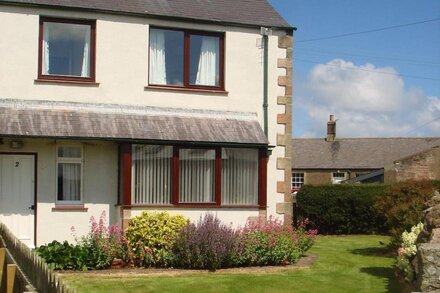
[265,32]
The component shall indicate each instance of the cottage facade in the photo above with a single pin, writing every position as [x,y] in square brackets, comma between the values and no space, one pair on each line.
[122,107]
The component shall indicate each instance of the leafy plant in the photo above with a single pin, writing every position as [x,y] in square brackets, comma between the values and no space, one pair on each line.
[407,252]
[342,208]
[151,236]
[402,205]
[64,256]
[207,245]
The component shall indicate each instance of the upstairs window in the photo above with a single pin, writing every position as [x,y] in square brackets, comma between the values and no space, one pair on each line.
[182,58]
[67,49]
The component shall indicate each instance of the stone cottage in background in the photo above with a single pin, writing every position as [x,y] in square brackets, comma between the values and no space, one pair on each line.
[131,106]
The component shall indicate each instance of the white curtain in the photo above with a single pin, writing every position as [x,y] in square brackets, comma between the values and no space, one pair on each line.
[196,181]
[151,173]
[157,57]
[239,176]
[85,71]
[208,62]
[71,173]
[45,61]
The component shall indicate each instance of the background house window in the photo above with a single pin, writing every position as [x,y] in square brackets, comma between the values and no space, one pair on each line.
[69,174]
[239,176]
[152,174]
[297,180]
[66,49]
[185,58]
[338,177]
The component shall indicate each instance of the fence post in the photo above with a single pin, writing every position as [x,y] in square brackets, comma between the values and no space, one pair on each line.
[10,274]
[2,269]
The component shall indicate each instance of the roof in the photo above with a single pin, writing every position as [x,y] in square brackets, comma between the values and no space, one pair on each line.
[244,12]
[356,153]
[116,122]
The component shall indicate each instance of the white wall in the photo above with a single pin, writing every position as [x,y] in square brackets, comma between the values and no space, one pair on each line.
[99,191]
[122,73]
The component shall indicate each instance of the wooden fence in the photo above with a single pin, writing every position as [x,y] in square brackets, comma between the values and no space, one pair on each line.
[30,267]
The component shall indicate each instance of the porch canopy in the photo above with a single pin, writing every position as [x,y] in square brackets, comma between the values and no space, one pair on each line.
[69,120]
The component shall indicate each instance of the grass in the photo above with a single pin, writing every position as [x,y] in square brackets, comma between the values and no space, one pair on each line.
[344,264]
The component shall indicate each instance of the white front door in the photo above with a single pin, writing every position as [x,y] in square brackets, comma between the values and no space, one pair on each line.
[17,194]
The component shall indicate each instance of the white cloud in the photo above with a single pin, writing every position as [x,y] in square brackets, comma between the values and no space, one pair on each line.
[366,103]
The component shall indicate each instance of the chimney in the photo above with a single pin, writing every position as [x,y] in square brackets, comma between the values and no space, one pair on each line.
[331,129]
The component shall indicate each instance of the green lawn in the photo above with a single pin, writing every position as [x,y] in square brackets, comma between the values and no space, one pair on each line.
[345,264]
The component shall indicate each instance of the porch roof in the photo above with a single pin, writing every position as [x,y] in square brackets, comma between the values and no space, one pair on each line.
[133,123]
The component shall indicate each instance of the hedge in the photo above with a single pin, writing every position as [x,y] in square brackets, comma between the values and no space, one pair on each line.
[342,209]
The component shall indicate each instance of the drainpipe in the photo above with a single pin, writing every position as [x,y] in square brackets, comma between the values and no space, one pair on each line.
[265,32]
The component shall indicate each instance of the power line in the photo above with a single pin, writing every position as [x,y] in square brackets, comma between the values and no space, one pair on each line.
[423,125]
[327,52]
[368,31]
[368,70]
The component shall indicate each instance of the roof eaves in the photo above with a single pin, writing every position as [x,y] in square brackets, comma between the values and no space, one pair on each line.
[150,15]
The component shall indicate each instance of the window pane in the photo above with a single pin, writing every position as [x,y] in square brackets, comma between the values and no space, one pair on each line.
[196,181]
[239,176]
[204,60]
[69,181]
[297,180]
[166,57]
[69,152]
[66,49]
[151,174]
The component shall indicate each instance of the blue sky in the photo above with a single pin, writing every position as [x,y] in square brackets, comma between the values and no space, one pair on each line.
[384,83]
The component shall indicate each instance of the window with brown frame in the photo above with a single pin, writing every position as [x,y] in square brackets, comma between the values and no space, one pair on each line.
[66,49]
[186,58]
[193,176]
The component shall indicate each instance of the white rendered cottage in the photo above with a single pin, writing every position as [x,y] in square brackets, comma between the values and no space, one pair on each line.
[126,106]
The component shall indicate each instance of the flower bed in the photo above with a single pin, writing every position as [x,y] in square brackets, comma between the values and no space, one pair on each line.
[161,240]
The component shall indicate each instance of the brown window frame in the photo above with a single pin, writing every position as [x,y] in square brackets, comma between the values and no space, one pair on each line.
[53,77]
[186,60]
[125,177]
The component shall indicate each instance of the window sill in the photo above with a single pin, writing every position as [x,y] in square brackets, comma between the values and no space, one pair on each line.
[184,89]
[67,82]
[67,208]
[195,206]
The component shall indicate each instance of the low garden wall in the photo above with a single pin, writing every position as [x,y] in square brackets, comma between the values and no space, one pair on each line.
[428,248]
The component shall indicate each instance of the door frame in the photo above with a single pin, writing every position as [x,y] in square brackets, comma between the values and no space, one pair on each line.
[35,155]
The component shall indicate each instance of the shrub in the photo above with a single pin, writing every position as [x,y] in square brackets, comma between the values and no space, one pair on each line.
[64,256]
[272,243]
[151,236]
[207,245]
[342,208]
[96,250]
[402,205]
[103,243]
[407,252]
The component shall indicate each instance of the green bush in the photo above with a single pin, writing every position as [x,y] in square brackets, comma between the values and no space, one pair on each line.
[342,208]
[64,256]
[402,205]
[151,236]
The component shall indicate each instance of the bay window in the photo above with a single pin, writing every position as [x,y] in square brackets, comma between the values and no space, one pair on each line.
[183,58]
[185,176]
[66,49]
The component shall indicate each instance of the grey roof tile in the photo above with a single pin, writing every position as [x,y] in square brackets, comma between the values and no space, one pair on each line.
[74,120]
[248,12]
[356,153]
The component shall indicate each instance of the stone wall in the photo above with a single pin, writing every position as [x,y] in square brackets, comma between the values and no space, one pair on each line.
[428,249]
[424,165]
